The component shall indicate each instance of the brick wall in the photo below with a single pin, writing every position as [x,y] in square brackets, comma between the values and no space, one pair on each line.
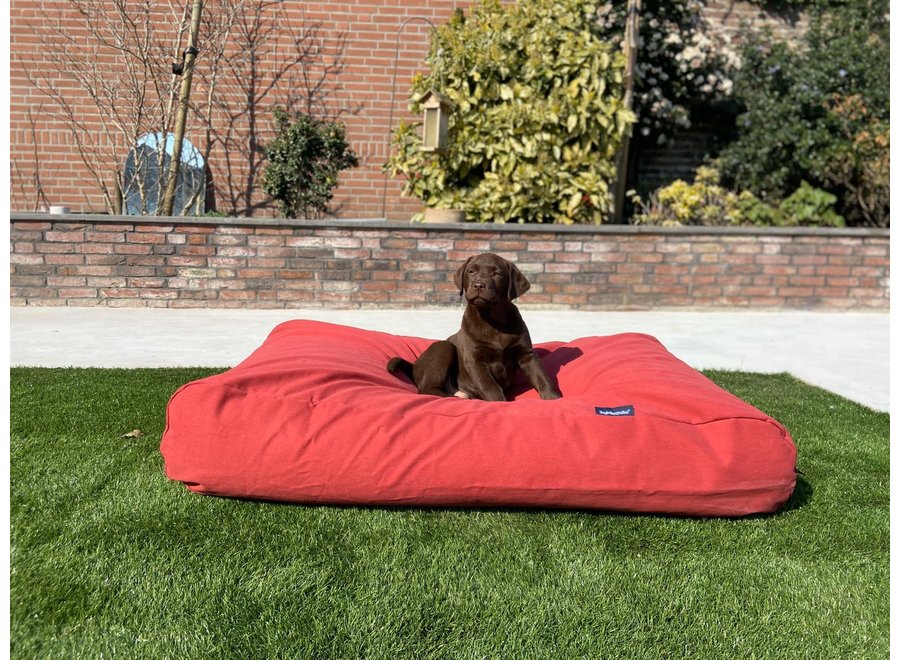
[729,16]
[232,262]
[360,36]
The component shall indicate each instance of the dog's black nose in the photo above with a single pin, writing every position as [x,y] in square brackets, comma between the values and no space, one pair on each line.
[478,286]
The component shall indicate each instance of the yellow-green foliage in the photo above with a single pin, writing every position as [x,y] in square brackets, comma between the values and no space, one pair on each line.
[706,202]
[539,115]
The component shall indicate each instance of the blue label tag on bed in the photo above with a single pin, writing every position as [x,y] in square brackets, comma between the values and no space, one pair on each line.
[620,411]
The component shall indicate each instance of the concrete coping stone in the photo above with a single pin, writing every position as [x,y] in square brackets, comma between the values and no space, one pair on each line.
[381,223]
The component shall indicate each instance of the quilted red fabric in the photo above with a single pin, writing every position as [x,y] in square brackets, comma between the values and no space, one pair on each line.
[312,416]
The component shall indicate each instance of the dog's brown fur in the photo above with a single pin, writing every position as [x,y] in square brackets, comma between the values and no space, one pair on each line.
[481,359]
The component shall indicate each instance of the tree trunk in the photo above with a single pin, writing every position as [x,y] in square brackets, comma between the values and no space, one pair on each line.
[630,46]
[168,199]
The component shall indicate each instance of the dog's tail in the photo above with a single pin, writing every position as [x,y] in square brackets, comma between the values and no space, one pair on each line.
[405,367]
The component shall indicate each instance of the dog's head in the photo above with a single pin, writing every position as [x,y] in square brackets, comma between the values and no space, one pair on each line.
[487,279]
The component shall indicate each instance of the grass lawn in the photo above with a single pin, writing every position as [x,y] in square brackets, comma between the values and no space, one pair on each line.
[108,558]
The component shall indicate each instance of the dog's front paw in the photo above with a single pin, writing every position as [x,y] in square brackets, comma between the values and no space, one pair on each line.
[551,395]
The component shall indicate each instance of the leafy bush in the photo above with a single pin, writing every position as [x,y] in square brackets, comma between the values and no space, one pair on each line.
[703,202]
[539,115]
[859,164]
[819,113]
[305,159]
[706,202]
[808,206]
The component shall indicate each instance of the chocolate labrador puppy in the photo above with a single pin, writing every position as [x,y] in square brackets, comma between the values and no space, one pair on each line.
[480,360]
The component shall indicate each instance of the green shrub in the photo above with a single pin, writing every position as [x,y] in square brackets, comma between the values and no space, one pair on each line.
[706,202]
[305,159]
[808,206]
[539,115]
[818,113]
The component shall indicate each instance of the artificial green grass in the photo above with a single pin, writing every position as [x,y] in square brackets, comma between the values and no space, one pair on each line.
[108,558]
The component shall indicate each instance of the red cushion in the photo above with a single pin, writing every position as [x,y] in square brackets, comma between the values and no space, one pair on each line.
[312,416]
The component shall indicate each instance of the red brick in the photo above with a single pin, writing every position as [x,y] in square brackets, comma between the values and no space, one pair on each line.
[162,229]
[228,239]
[808,281]
[101,227]
[145,238]
[843,281]
[293,295]
[119,292]
[104,237]
[835,248]
[126,248]
[235,251]
[576,257]
[341,253]
[18,258]
[191,250]
[159,294]
[77,292]
[390,255]
[266,240]
[126,303]
[64,236]
[251,273]
[60,248]
[30,226]
[65,281]
[197,239]
[274,231]
[349,242]
[441,245]
[795,291]
[23,239]
[235,294]
[304,241]
[602,246]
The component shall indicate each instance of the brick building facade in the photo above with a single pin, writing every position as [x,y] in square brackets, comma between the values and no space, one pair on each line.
[359,45]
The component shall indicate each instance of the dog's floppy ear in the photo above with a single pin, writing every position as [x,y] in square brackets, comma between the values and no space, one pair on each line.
[518,283]
[459,277]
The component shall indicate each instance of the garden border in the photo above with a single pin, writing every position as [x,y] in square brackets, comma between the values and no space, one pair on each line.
[128,261]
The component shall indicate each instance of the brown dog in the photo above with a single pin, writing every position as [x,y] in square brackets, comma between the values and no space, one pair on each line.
[481,359]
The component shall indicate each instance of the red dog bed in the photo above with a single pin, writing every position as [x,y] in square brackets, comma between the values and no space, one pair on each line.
[312,416]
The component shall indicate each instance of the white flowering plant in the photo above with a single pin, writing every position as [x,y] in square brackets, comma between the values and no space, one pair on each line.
[684,68]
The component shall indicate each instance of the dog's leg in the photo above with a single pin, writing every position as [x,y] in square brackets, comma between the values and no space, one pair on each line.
[480,382]
[433,368]
[403,366]
[534,370]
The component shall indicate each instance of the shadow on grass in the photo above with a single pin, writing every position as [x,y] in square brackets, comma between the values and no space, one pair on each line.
[802,495]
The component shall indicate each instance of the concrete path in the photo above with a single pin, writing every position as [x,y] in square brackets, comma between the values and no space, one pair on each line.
[847,353]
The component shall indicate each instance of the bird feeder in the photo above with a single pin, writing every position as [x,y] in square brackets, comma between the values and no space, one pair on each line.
[436,108]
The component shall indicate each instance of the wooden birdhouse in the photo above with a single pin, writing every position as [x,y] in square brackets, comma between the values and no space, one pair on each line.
[437,109]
